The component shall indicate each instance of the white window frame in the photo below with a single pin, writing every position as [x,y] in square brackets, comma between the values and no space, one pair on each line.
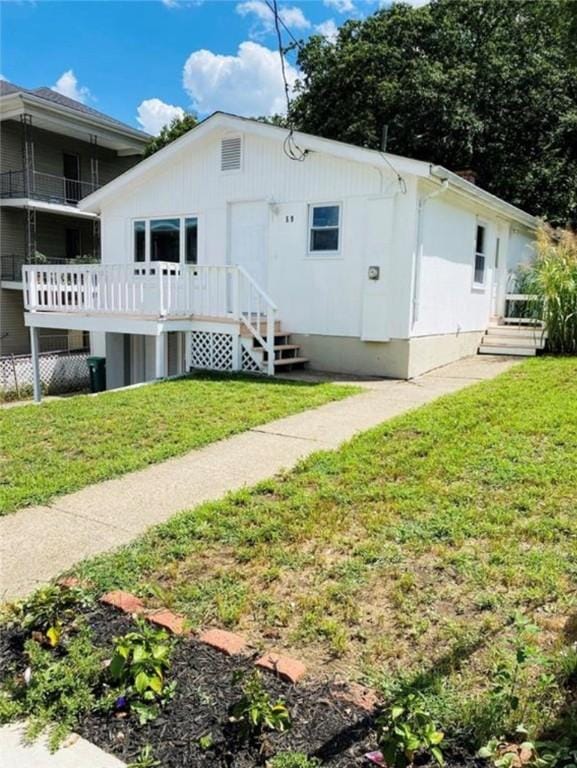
[476,285]
[324,254]
[182,236]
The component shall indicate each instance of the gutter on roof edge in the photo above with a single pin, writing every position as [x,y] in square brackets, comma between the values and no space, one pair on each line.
[111,125]
[471,190]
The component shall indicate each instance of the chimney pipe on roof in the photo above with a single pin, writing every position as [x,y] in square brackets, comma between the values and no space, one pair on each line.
[468,174]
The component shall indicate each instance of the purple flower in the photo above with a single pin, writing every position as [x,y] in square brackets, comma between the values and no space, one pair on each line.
[120,703]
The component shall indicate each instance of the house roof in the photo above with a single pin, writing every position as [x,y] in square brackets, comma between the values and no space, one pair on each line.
[15,99]
[397,163]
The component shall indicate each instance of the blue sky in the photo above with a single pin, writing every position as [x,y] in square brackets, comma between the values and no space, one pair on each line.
[150,59]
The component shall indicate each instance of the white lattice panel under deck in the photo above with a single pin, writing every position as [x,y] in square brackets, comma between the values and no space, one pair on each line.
[248,362]
[211,350]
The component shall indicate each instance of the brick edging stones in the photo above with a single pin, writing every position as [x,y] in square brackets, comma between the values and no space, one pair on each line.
[231,644]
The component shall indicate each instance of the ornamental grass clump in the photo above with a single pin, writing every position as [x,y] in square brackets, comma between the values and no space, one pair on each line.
[553,282]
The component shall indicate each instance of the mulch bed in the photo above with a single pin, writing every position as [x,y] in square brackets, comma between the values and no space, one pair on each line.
[207,685]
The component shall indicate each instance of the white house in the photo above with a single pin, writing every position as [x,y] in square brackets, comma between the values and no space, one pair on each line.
[222,251]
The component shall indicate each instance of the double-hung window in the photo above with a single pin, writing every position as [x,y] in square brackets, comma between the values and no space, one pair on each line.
[324,229]
[173,239]
[480,256]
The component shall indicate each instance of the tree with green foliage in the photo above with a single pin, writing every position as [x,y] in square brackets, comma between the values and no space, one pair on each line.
[476,84]
[176,128]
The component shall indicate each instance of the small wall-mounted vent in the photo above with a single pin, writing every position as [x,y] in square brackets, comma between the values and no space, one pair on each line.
[230,154]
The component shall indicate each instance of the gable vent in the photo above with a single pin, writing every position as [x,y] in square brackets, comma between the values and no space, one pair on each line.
[230,154]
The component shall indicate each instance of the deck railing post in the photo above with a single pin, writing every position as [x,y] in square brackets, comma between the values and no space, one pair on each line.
[160,290]
[270,341]
[160,356]
[235,294]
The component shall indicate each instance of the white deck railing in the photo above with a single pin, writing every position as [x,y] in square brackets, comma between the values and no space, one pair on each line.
[159,289]
[516,309]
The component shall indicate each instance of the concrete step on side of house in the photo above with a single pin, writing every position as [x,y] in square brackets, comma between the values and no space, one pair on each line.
[514,332]
[486,349]
[507,341]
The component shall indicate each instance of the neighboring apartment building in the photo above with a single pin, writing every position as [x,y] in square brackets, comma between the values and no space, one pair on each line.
[53,152]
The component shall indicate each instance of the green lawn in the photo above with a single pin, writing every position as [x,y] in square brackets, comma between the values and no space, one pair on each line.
[424,553]
[61,446]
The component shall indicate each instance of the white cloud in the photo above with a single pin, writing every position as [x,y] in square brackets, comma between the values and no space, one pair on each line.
[292,16]
[67,85]
[249,83]
[328,29]
[154,114]
[342,6]
[170,3]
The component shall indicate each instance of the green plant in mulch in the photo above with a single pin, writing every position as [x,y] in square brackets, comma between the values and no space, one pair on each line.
[57,687]
[137,670]
[405,729]
[49,614]
[501,753]
[256,712]
[145,759]
[293,760]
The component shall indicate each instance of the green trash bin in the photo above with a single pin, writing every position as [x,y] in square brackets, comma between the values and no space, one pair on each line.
[97,371]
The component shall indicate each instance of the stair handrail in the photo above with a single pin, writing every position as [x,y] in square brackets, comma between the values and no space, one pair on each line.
[245,316]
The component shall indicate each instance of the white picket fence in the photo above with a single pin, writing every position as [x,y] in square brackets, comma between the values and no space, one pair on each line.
[60,372]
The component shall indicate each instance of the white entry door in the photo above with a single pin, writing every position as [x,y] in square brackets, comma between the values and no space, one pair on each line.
[248,239]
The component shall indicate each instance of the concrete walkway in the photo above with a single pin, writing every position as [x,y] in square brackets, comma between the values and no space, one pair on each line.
[75,752]
[38,543]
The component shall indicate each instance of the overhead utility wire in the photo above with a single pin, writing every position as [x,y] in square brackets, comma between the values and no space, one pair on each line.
[287,28]
[290,147]
[400,179]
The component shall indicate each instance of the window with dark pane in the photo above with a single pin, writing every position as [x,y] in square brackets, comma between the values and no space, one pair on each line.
[165,240]
[324,228]
[191,240]
[73,247]
[139,240]
[480,256]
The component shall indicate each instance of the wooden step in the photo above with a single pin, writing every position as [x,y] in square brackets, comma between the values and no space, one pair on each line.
[286,361]
[244,331]
[280,349]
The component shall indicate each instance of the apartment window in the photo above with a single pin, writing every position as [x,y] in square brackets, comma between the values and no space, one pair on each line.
[172,239]
[191,240]
[480,256]
[139,241]
[165,240]
[324,228]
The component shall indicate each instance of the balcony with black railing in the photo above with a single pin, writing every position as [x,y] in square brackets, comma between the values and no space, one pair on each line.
[45,187]
[11,264]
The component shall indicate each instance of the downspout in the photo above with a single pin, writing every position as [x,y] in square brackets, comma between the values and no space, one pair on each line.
[419,247]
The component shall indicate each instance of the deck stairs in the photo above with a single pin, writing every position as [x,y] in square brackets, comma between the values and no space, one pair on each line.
[287,355]
[517,340]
